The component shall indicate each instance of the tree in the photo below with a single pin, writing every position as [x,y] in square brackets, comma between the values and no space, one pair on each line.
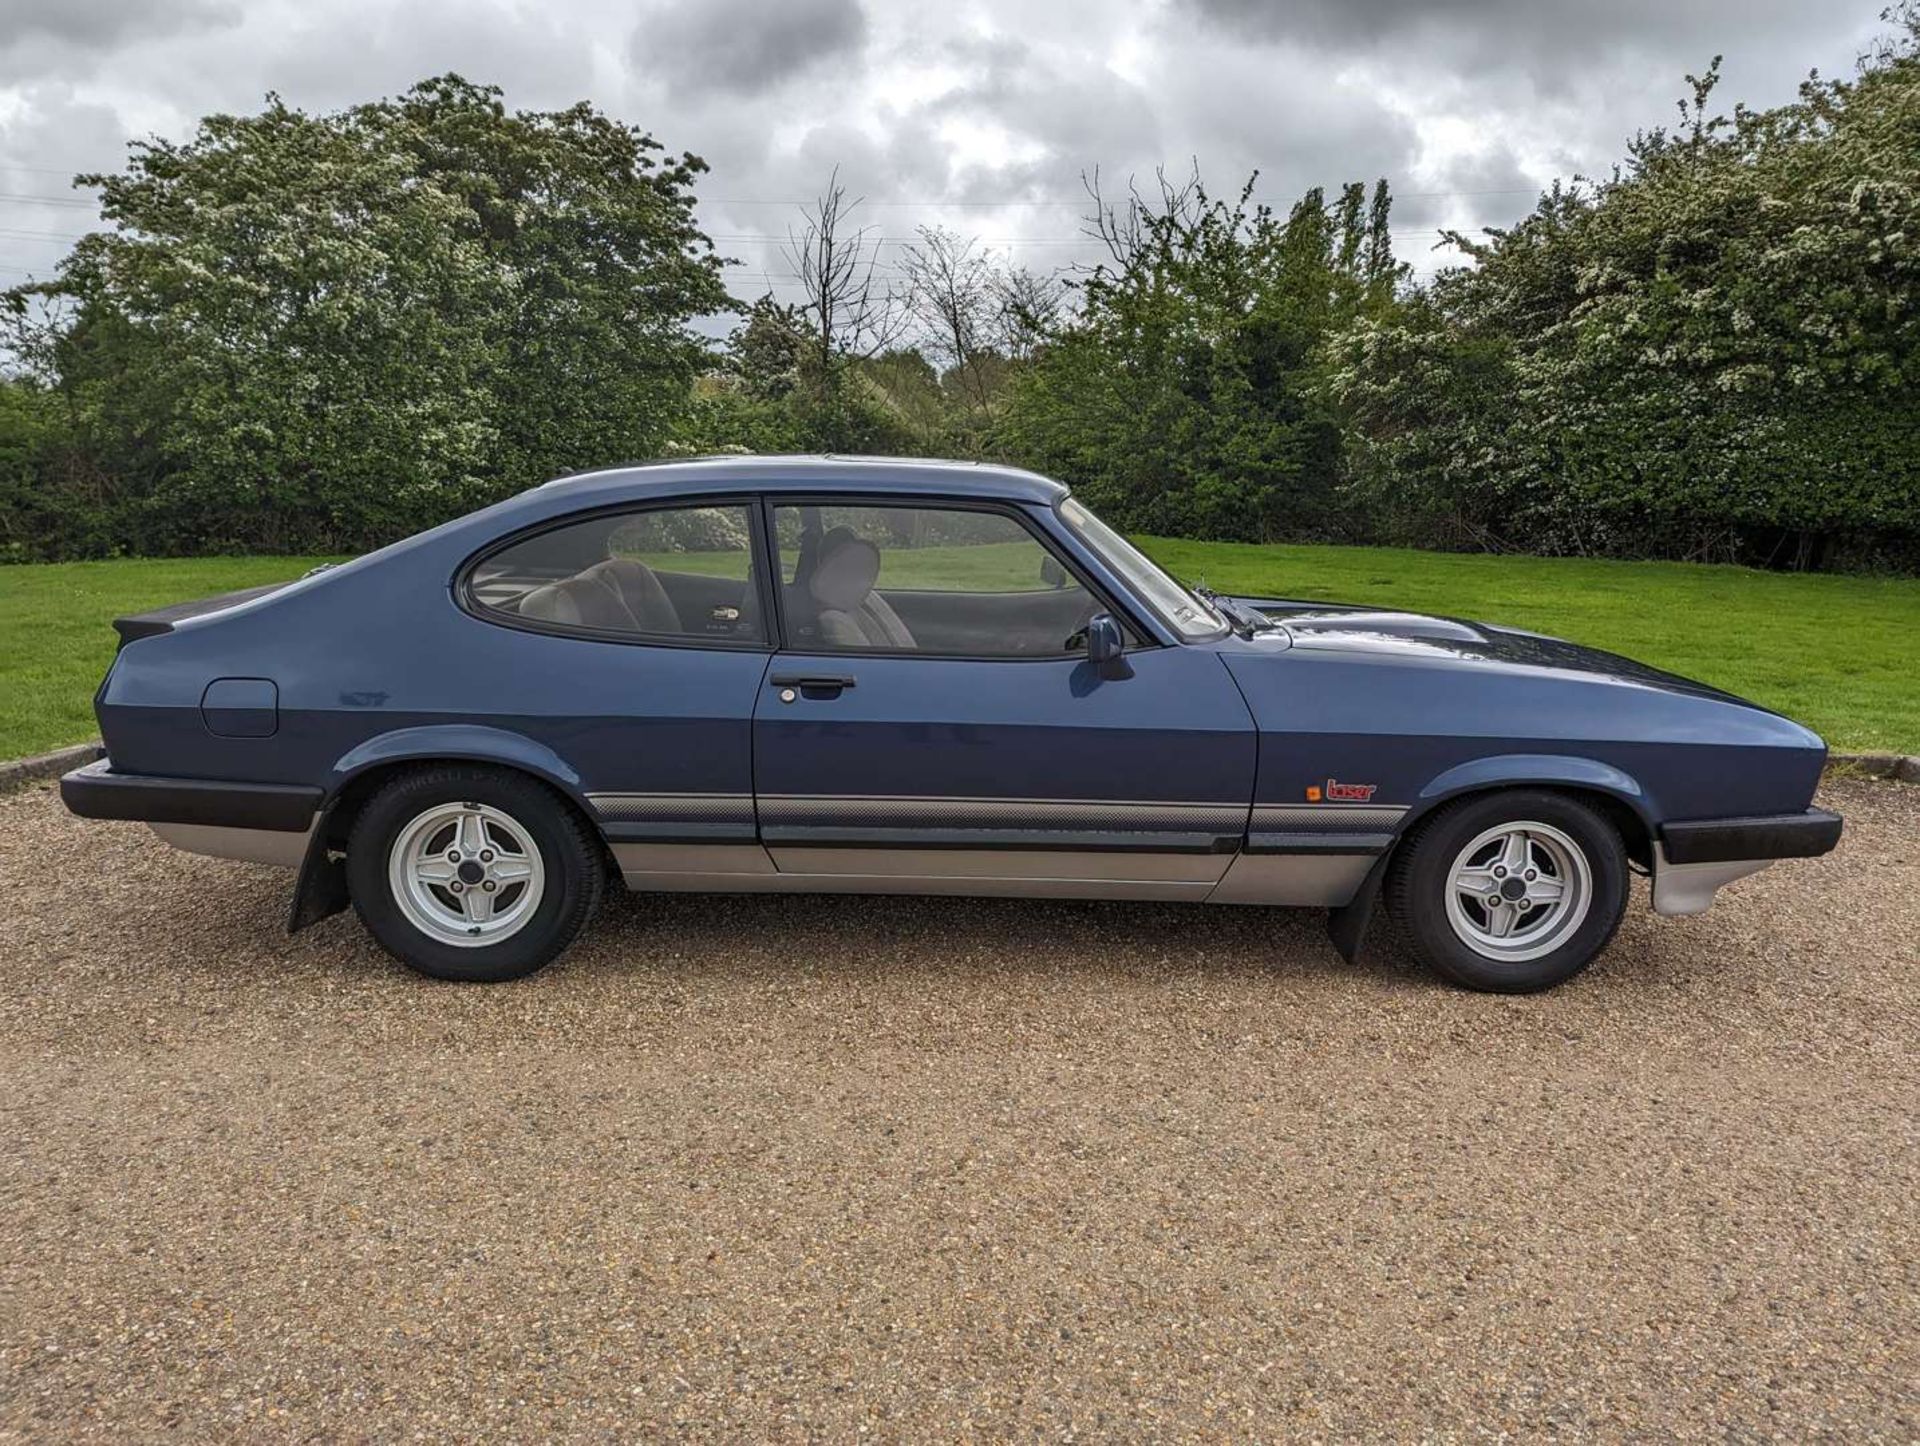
[769,350]
[1712,353]
[323,331]
[850,311]
[848,316]
[951,291]
[1030,307]
[1182,396]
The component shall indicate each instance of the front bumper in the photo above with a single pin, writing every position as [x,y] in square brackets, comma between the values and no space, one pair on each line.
[1773,836]
[1694,860]
[97,791]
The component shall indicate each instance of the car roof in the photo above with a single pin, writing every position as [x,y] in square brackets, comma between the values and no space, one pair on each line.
[913,476]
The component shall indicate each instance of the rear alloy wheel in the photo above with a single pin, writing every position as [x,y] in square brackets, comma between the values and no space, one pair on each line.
[1511,892]
[466,874]
[473,874]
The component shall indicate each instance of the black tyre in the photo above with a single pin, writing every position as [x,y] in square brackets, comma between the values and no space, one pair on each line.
[1510,892]
[474,874]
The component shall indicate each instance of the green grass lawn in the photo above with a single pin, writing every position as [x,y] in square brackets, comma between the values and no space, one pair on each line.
[981,567]
[1834,652]
[56,633]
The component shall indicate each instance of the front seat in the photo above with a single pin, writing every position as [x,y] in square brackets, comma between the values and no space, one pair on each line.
[847,611]
[618,595]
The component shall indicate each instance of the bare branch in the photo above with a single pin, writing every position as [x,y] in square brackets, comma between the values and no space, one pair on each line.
[951,291]
[849,309]
[1145,221]
[1031,307]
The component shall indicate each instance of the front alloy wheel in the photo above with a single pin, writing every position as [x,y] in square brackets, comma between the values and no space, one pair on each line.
[1518,891]
[1511,892]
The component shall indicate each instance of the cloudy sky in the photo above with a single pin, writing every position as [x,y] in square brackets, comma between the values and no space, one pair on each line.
[981,115]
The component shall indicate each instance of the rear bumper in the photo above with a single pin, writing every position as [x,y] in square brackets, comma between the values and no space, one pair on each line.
[1773,836]
[96,791]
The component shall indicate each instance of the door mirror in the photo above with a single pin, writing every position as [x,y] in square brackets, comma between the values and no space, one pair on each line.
[1107,647]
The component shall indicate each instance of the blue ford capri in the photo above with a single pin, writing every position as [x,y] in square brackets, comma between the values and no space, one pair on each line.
[852,675]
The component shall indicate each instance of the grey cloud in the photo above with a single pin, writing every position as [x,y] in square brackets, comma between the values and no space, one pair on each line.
[48,140]
[1580,75]
[1059,97]
[1223,109]
[908,161]
[742,46]
[1456,97]
[1565,83]
[1494,182]
[1497,33]
[758,190]
[45,38]
[100,23]
[536,59]
[55,130]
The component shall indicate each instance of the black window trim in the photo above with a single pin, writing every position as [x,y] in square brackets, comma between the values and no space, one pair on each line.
[1139,638]
[468,603]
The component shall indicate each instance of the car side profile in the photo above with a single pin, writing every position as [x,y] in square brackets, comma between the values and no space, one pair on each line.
[853,675]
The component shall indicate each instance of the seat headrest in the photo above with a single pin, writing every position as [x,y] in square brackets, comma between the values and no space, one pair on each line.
[846,571]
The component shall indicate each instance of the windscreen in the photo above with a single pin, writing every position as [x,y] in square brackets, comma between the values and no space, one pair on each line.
[1191,616]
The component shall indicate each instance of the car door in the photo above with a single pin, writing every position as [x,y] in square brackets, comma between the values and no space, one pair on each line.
[932,722]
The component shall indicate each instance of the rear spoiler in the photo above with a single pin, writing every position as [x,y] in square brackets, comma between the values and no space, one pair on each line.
[161,620]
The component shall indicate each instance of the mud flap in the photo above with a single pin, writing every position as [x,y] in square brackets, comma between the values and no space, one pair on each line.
[1347,925]
[321,890]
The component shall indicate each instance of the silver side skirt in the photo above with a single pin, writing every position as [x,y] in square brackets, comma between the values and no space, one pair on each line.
[1689,888]
[1201,871]
[249,845]
[1308,880]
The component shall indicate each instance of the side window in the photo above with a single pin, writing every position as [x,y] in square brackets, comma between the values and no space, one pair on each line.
[668,573]
[925,579]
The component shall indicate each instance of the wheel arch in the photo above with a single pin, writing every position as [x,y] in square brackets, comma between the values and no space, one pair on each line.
[453,743]
[1613,792]
[320,889]
[1616,795]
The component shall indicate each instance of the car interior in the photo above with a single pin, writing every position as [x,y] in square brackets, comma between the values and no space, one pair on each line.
[835,601]
[1026,604]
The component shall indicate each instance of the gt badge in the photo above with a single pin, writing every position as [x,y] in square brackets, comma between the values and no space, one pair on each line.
[1346,792]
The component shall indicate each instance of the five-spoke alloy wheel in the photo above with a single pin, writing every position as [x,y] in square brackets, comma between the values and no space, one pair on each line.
[469,873]
[1512,891]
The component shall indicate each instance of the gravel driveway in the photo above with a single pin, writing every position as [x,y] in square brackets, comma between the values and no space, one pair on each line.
[766,1167]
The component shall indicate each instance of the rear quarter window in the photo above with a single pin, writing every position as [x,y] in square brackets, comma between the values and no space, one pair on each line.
[663,574]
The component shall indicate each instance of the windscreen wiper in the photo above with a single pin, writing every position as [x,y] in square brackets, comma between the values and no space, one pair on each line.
[1245,620]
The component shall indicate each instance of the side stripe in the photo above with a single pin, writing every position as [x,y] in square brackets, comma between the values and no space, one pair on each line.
[671,817]
[1326,817]
[1323,828]
[948,822]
